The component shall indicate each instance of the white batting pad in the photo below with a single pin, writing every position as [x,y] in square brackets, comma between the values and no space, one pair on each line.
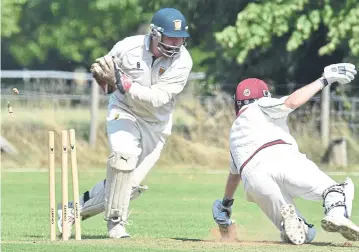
[118,186]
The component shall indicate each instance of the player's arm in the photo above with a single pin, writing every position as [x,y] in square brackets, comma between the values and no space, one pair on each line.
[170,84]
[302,95]
[231,186]
[280,108]
[106,71]
[228,198]
[232,181]
[222,209]
[342,73]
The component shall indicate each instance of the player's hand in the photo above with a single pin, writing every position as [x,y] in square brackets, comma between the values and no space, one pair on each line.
[221,214]
[103,70]
[107,75]
[342,73]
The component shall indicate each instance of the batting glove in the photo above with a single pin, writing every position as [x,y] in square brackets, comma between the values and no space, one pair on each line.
[342,73]
[222,211]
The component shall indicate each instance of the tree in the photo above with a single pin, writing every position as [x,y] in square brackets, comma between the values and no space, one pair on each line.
[288,30]
[10,16]
[259,23]
[76,32]
[61,34]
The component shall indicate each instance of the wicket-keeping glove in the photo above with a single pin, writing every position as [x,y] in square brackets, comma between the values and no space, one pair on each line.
[104,70]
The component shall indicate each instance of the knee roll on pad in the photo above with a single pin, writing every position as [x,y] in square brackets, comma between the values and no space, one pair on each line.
[120,169]
[122,162]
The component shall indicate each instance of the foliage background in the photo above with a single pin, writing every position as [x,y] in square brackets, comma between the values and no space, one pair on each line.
[282,41]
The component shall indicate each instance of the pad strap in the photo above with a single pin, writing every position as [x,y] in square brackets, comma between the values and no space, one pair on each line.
[336,204]
[334,188]
[339,188]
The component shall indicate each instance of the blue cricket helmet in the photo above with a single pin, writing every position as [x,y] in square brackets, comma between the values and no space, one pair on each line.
[170,22]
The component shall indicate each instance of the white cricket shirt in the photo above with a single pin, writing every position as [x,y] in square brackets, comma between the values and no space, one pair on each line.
[260,125]
[155,82]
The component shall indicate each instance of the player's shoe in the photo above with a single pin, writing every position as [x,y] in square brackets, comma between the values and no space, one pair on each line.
[342,225]
[117,229]
[293,226]
[70,217]
[309,229]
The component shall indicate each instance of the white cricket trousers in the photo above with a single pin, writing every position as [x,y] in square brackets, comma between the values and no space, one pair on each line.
[132,135]
[278,174]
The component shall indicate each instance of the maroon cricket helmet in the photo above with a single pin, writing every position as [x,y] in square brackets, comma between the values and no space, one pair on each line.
[248,91]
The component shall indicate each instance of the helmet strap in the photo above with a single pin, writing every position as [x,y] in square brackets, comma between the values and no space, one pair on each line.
[238,104]
[156,33]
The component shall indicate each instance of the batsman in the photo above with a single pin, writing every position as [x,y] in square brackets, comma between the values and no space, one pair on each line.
[144,74]
[265,156]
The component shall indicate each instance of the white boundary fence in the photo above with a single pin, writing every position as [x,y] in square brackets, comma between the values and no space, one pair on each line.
[326,113]
[93,99]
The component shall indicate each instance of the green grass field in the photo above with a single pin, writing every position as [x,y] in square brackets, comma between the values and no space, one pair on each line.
[173,215]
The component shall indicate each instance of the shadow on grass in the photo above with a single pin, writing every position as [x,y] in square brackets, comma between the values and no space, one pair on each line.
[83,237]
[318,244]
[188,239]
[225,241]
[93,237]
[35,236]
[331,244]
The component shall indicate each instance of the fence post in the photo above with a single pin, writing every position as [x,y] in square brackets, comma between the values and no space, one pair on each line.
[338,153]
[26,81]
[94,112]
[325,116]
